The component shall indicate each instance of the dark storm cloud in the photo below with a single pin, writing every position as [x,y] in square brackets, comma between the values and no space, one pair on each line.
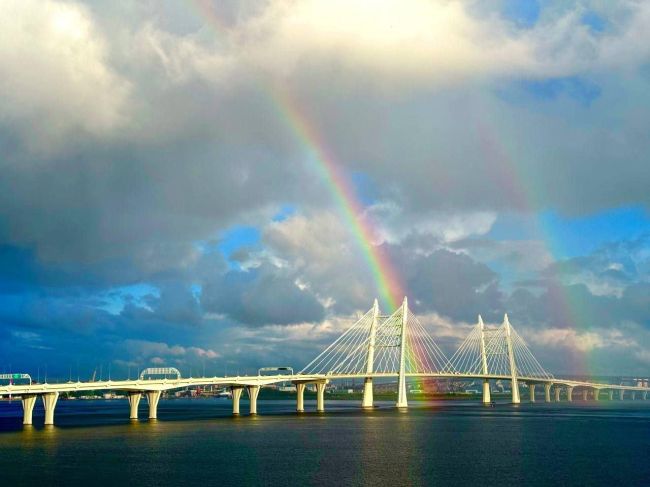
[453,285]
[574,306]
[261,296]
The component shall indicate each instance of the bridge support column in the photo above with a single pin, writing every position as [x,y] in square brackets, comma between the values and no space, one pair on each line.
[253,392]
[367,401]
[645,395]
[487,399]
[28,400]
[49,402]
[152,398]
[402,401]
[557,391]
[633,395]
[596,394]
[611,394]
[569,394]
[300,397]
[585,395]
[513,366]
[236,396]
[320,397]
[621,393]
[134,402]
[531,389]
[547,392]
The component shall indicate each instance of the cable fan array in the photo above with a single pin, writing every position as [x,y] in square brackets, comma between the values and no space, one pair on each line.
[373,346]
[422,354]
[468,359]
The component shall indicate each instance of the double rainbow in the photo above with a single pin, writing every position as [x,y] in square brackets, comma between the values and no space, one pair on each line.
[520,187]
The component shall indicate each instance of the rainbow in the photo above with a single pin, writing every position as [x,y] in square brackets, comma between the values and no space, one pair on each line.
[384,275]
[387,282]
[521,188]
[524,191]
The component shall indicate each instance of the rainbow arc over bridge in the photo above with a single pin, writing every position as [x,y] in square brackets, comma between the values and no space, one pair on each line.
[323,158]
[338,183]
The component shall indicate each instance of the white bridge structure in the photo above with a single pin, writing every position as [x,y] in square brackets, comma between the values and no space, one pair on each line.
[376,347]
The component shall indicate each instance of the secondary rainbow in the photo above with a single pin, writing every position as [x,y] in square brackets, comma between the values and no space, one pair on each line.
[526,193]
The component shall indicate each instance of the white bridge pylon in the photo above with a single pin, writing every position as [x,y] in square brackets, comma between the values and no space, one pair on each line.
[398,345]
[496,352]
[381,345]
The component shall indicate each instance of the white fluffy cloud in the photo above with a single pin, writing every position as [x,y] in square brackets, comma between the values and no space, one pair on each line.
[441,42]
[158,352]
[573,339]
[56,79]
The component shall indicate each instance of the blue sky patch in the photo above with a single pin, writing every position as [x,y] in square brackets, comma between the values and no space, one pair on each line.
[115,299]
[574,236]
[579,89]
[285,211]
[238,237]
[581,236]
[595,21]
[364,188]
[524,13]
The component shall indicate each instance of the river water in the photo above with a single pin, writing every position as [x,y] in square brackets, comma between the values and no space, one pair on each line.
[433,443]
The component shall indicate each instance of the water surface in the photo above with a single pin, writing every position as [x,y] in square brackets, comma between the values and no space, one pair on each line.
[433,443]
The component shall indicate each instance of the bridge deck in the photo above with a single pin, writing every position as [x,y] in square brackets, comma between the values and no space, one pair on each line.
[255,380]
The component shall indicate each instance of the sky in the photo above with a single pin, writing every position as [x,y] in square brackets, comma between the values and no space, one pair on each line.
[224,185]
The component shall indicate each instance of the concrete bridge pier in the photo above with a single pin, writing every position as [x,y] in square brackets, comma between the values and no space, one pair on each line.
[547,392]
[28,400]
[645,395]
[611,394]
[569,394]
[134,402]
[320,397]
[633,395]
[367,401]
[236,396]
[621,394]
[49,403]
[531,388]
[557,391]
[596,394]
[487,399]
[152,398]
[253,392]
[585,395]
[300,397]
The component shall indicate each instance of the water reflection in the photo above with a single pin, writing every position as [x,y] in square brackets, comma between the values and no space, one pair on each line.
[431,443]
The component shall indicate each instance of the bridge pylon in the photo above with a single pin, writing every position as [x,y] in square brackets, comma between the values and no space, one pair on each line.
[498,352]
[380,346]
[370,360]
[484,367]
[514,384]
[402,401]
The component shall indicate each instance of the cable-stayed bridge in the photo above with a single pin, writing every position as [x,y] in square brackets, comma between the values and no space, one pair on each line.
[376,347]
